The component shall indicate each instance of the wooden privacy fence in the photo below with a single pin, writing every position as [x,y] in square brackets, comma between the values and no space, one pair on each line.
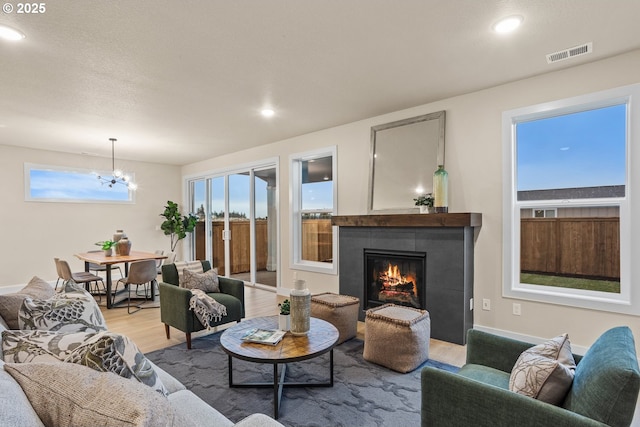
[317,243]
[580,247]
[240,245]
[317,240]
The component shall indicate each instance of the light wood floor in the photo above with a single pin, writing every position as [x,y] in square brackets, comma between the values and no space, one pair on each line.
[146,330]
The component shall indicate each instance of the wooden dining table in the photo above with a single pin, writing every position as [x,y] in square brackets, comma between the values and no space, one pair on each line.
[101,259]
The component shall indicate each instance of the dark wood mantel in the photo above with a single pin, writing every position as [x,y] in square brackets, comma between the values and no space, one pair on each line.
[464,219]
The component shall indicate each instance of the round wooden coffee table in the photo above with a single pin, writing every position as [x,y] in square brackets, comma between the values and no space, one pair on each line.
[320,339]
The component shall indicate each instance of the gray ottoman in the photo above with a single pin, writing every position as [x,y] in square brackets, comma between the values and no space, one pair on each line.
[339,310]
[397,337]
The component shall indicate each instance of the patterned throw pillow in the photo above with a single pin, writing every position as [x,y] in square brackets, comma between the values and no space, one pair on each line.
[71,310]
[40,346]
[545,371]
[192,266]
[108,351]
[10,303]
[207,281]
[67,395]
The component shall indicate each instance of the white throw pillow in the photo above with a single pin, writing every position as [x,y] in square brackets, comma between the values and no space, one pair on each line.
[545,371]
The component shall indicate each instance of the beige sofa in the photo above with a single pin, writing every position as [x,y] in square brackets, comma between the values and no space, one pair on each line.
[185,408]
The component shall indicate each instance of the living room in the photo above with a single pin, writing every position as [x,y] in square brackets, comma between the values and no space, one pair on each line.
[39,231]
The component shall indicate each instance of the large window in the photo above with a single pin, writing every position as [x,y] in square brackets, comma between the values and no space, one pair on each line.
[567,230]
[64,184]
[313,245]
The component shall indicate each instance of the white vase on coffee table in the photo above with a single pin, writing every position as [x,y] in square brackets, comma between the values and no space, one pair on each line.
[284,322]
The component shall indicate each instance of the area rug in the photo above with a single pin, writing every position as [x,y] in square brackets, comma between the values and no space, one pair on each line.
[364,394]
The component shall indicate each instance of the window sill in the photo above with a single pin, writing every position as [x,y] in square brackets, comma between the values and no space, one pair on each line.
[315,267]
[592,300]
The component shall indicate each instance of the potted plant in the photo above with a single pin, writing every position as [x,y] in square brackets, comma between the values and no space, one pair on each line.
[176,225]
[107,246]
[284,320]
[425,203]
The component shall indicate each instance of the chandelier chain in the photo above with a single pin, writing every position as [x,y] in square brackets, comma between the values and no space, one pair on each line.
[117,177]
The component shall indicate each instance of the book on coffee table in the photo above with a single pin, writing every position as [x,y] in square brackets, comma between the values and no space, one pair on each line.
[263,336]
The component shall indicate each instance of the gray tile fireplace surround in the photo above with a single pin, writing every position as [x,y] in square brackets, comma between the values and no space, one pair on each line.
[447,240]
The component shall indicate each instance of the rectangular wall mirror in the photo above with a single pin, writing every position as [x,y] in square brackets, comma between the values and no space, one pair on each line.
[404,156]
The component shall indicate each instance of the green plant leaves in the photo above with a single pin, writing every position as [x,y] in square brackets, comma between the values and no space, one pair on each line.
[176,225]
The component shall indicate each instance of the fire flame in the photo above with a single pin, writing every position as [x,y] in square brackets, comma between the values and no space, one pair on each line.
[396,287]
[393,277]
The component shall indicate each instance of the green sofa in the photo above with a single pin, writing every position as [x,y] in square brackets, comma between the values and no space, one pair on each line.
[604,391]
[174,302]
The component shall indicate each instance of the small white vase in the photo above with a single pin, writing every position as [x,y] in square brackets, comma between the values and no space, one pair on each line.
[425,209]
[108,252]
[284,322]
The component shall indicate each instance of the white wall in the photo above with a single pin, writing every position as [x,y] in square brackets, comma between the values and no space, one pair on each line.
[33,233]
[474,162]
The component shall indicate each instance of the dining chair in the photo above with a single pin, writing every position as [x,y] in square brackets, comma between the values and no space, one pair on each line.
[81,277]
[58,272]
[158,267]
[140,273]
[99,268]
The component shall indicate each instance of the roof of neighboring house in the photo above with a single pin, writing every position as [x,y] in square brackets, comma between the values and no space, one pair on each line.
[573,193]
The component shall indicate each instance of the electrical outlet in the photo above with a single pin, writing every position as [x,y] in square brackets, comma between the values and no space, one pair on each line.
[486,304]
[517,310]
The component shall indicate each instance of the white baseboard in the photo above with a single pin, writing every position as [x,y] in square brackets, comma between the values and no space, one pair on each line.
[577,349]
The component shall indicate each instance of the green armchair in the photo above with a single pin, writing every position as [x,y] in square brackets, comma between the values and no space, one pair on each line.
[604,391]
[174,302]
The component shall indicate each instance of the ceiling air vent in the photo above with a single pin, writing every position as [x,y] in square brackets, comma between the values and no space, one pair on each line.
[572,52]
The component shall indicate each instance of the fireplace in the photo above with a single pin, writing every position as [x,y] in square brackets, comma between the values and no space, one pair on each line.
[396,277]
[448,239]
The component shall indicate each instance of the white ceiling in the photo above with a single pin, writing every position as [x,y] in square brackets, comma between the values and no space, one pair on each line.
[177,81]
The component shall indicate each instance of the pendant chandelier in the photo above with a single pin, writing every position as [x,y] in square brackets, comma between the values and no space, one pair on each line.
[117,176]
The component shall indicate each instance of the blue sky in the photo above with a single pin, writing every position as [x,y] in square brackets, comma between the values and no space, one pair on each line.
[585,149]
[54,184]
[317,195]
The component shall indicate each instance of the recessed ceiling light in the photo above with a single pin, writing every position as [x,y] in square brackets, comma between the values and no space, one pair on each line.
[508,24]
[267,112]
[8,33]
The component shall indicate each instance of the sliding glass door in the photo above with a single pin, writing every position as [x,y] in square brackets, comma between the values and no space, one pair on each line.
[266,226]
[238,223]
[218,210]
